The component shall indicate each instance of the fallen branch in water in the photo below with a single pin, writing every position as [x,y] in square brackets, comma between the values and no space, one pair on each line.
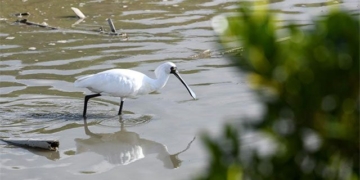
[25,21]
[47,144]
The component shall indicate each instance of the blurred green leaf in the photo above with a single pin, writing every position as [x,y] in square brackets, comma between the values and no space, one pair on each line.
[309,85]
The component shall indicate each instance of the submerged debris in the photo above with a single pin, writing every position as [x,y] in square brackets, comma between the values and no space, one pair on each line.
[21,14]
[237,51]
[111,24]
[211,54]
[204,54]
[81,17]
[233,51]
[44,25]
[47,144]
[78,13]
[112,30]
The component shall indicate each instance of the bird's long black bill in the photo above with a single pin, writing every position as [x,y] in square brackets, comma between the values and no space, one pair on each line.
[184,83]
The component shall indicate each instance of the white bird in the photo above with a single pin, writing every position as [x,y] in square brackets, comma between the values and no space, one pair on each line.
[126,83]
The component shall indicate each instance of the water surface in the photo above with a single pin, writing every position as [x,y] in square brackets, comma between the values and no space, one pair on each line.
[39,65]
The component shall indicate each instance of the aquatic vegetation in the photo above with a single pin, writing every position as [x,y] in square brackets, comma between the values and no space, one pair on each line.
[309,86]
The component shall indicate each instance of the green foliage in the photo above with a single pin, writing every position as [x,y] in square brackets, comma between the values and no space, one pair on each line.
[225,156]
[309,85]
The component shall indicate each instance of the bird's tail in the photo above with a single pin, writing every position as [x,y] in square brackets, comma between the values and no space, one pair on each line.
[81,82]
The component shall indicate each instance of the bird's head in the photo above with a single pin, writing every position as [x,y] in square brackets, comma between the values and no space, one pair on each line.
[170,68]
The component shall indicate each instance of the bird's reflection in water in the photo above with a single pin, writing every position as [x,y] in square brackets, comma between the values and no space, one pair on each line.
[124,147]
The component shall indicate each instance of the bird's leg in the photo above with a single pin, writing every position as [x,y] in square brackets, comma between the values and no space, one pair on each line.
[87,98]
[121,105]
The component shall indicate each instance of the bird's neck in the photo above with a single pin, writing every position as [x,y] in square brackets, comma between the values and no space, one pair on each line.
[160,81]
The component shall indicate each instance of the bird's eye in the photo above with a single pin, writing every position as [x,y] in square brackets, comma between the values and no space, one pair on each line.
[172,69]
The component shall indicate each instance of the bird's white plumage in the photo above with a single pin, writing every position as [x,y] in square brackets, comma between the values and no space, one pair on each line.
[125,82]
[117,82]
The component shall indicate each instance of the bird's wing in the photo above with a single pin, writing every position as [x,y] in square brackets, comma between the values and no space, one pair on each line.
[115,82]
[82,82]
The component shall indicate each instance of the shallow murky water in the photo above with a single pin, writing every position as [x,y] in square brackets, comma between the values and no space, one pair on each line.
[158,132]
